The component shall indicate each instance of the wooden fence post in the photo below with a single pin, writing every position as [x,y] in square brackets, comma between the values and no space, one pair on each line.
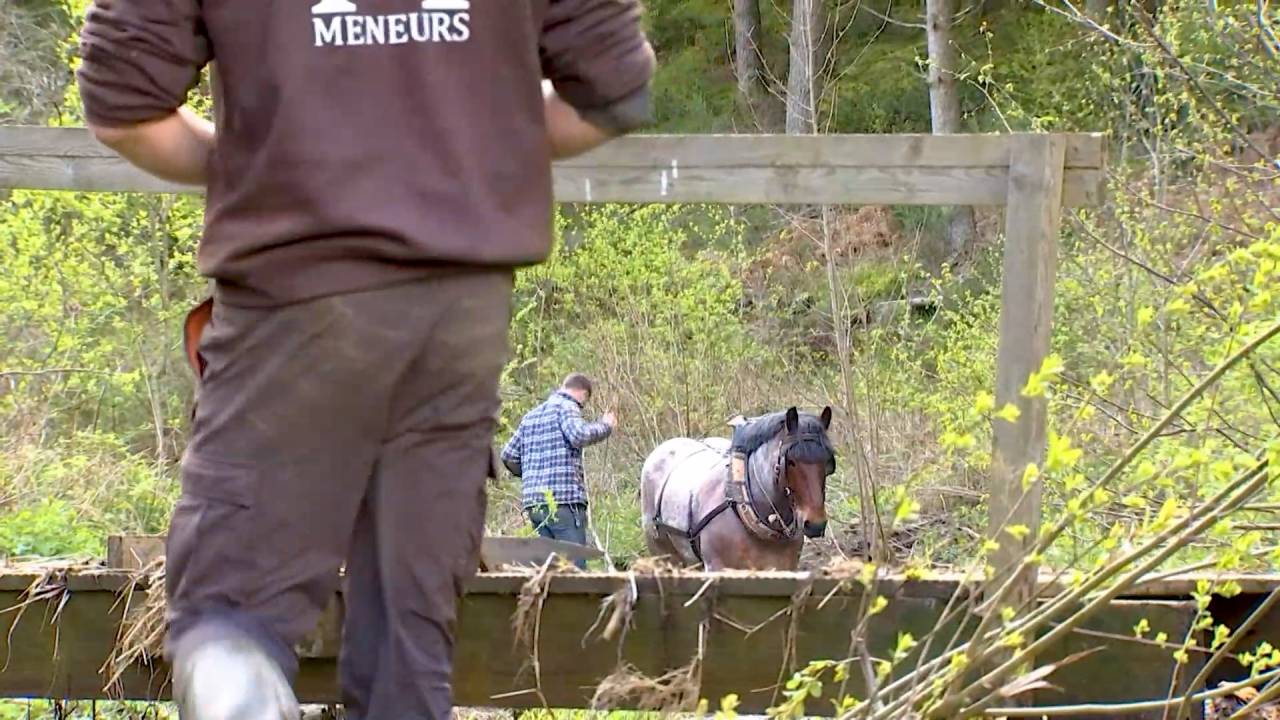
[1036,169]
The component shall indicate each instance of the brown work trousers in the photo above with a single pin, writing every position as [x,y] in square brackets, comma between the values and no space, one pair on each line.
[352,428]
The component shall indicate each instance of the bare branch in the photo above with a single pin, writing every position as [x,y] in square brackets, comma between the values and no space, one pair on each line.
[1269,40]
[1148,25]
[876,13]
[1122,709]
[52,371]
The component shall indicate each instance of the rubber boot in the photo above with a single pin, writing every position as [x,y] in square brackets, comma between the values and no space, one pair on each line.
[229,677]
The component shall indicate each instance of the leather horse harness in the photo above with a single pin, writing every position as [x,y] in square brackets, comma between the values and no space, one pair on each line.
[739,498]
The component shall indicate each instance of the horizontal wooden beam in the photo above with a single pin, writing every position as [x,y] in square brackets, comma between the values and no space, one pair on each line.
[747,624]
[936,586]
[1085,151]
[809,185]
[135,552]
[730,169]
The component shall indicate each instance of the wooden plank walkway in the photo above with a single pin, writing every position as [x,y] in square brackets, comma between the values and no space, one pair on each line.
[57,647]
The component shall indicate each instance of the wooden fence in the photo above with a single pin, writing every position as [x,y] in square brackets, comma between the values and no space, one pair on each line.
[1033,175]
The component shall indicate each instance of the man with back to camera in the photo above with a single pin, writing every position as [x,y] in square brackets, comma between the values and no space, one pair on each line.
[378,170]
[545,452]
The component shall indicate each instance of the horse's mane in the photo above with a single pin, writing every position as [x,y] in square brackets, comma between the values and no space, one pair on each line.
[811,447]
[761,430]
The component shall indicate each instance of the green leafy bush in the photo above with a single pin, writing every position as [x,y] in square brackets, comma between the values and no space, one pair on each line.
[52,528]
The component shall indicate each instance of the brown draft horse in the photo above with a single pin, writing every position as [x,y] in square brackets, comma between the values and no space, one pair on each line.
[690,516]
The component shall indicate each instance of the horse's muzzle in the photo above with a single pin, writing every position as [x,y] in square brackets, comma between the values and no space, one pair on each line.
[815,529]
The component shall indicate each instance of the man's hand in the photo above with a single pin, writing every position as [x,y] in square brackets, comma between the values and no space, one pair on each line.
[175,148]
[567,132]
[610,419]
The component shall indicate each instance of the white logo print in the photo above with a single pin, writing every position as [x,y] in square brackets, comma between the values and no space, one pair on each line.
[339,23]
[332,7]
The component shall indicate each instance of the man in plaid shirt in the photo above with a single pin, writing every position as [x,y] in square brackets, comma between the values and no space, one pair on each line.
[546,454]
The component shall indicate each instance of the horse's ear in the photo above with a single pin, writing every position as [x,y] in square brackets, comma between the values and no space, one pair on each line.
[826,418]
[793,420]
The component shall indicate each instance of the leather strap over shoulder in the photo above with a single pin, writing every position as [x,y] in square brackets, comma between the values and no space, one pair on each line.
[738,496]
[199,318]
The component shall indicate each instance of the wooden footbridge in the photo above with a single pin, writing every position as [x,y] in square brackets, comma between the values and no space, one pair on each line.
[737,633]
[733,633]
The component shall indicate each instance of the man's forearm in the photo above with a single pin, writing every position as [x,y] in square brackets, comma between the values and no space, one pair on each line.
[568,134]
[175,148]
[598,432]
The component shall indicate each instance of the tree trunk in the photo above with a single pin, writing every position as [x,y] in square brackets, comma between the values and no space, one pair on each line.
[804,86]
[944,107]
[753,91]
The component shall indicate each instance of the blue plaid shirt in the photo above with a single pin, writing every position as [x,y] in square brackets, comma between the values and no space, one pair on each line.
[546,451]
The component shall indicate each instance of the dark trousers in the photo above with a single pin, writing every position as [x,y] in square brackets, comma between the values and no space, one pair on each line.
[355,428]
[567,523]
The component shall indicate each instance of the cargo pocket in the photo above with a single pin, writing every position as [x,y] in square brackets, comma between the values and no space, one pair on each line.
[470,535]
[219,482]
[213,536]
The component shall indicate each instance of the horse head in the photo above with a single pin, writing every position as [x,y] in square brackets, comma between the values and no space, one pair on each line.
[808,459]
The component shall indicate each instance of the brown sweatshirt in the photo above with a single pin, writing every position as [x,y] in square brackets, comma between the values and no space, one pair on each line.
[366,142]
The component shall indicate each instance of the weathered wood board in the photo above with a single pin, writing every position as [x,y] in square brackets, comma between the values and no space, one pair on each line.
[1026,323]
[734,169]
[134,552]
[61,656]
[498,552]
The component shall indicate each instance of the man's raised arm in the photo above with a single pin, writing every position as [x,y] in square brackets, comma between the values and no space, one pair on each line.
[599,65]
[141,58]
[581,433]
